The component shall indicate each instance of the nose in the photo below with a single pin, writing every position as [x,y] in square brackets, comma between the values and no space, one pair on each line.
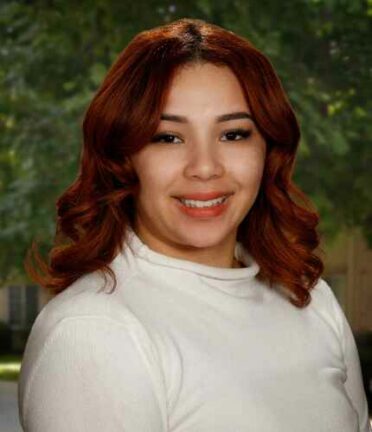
[204,162]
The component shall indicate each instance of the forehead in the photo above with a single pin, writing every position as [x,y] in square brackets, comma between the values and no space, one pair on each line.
[197,86]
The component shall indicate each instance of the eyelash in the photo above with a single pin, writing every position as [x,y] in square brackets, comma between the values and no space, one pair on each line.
[245,133]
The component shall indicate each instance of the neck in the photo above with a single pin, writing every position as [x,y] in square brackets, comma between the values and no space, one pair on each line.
[237,264]
[161,245]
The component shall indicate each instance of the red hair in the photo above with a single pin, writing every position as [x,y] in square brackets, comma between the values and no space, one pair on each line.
[94,212]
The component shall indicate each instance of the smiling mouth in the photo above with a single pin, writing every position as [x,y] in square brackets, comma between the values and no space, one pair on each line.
[199,205]
[203,196]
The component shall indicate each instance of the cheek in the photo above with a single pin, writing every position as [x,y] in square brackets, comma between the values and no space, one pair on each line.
[248,170]
[156,176]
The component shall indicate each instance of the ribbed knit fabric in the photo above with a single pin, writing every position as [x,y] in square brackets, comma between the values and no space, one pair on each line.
[185,347]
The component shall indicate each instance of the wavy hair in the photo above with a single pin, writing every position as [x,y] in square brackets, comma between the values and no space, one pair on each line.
[279,231]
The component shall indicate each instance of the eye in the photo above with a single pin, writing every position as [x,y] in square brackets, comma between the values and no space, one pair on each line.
[244,133]
[167,137]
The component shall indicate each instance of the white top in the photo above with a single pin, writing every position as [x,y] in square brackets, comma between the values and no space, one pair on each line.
[186,347]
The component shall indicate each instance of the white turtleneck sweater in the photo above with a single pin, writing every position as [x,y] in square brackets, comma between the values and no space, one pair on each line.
[186,347]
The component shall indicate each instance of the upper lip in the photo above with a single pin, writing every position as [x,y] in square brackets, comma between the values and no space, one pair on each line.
[204,196]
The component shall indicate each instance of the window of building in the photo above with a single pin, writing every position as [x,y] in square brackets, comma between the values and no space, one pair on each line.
[23,305]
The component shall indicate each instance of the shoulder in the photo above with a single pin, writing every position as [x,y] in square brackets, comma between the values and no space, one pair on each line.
[323,305]
[86,297]
[87,345]
[322,293]
[80,309]
[82,318]
[326,305]
[324,297]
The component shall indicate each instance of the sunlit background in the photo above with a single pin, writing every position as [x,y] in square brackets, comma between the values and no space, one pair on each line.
[54,55]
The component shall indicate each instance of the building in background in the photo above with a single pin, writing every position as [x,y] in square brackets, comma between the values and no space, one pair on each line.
[19,306]
[348,264]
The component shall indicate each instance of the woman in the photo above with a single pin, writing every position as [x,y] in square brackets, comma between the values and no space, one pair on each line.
[217,318]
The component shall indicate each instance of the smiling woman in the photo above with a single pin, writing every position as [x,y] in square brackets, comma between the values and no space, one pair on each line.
[218,319]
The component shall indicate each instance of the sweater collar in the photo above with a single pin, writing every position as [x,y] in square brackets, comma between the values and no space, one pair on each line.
[250,270]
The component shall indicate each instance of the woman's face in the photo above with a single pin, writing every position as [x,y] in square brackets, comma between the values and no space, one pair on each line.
[199,154]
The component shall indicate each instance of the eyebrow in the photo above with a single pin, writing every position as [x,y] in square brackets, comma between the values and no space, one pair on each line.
[219,119]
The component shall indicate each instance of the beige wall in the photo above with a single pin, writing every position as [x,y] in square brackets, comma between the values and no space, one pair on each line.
[348,266]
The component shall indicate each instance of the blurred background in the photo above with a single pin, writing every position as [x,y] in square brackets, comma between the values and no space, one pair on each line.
[54,55]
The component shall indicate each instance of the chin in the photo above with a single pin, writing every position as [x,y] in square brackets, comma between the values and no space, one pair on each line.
[205,237]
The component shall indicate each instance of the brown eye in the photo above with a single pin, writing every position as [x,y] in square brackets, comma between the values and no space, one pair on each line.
[244,133]
[161,137]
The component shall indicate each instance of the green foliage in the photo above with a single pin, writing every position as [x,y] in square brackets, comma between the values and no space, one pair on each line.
[10,365]
[55,54]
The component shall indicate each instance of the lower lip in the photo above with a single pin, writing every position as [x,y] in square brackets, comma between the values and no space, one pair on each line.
[206,212]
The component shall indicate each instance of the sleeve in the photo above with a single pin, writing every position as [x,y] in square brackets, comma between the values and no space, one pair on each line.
[93,374]
[354,382]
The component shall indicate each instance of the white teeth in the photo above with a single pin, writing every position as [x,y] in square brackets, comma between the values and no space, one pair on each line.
[201,204]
